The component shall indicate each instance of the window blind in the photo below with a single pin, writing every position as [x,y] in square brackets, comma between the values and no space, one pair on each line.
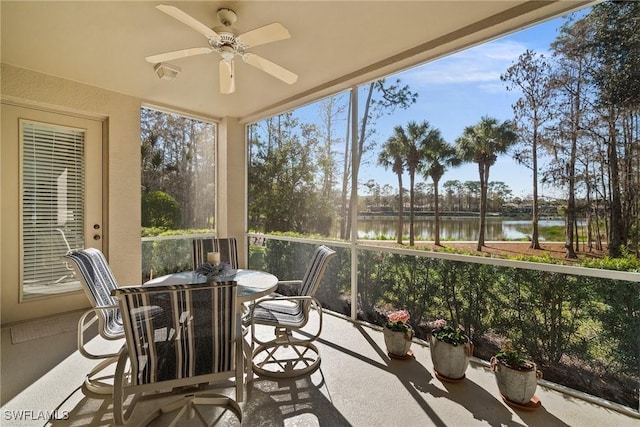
[53,182]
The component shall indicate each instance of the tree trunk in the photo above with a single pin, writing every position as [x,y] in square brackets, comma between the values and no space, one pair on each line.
[616,232]
[535,234]
[363,127]
[411,207]
[484,179]
[436,213]
[571,198]
[570,214]
[400,210]
[346,173]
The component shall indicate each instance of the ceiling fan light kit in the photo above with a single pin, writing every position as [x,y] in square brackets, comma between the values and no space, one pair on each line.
[224,41]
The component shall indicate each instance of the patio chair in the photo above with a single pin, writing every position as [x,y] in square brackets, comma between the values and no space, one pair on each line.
[188,346]
[97,280]
[288,355]
[226,246]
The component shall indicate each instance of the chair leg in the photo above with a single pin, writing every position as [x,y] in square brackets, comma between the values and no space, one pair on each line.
[188,405]
[297,356]
[217,400]
[301,358]
[96,384]
[247,351]
[120,382]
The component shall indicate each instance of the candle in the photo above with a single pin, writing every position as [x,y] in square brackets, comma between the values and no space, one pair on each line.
[213,258]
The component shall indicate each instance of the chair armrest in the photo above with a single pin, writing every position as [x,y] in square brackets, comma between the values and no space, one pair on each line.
[113,291]
[283,298]
[289,282]
[288,287]
[84,324]
[314,303]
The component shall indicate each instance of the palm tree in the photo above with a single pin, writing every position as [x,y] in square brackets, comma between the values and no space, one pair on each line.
[412,159]
[438,156]
[413,141]
[481,144]
[391,156]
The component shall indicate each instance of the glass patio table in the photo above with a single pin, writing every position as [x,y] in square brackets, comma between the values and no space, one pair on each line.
[252,284]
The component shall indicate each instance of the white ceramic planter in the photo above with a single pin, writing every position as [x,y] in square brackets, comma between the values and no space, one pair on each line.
[515,385]
[398,343]
[450,361]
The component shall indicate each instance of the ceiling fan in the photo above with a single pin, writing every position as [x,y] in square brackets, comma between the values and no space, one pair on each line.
[224,41]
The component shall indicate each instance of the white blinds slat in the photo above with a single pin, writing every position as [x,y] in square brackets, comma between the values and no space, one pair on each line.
[53,185]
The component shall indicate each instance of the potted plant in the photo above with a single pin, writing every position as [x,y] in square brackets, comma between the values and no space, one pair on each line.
[398,335]
[212,271]
[517,377]
[450,349]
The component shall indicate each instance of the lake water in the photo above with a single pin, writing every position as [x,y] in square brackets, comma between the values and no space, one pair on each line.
[453,228]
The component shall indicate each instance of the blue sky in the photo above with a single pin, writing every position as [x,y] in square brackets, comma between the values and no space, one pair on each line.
[458,90]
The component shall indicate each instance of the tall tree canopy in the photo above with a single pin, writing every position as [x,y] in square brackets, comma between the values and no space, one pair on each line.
[438,156]
[481,144]
[531,75]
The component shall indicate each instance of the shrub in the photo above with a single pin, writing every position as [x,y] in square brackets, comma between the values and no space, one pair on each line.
[159,209]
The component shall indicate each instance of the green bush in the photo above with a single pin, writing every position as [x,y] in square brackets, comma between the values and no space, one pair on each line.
[627,262]
[161,210]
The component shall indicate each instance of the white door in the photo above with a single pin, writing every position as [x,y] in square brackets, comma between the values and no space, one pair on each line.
[51,196]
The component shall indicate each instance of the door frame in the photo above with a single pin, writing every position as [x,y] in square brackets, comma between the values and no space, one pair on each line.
[13,306]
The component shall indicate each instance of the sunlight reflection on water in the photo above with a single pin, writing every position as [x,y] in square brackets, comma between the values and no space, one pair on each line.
[454,228]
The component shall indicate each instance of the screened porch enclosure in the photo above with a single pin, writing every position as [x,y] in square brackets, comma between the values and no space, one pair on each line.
[574,322]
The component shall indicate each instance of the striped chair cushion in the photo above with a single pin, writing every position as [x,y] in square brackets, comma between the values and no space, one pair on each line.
[291,312]
[179,331]
[275,313]
[98,282]
[314,273]
[228,248]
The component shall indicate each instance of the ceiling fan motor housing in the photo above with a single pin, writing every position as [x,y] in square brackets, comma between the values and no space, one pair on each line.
[227,16]
[227,42]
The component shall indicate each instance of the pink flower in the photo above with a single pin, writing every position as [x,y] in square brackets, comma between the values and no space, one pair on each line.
[439,323]
[399,316]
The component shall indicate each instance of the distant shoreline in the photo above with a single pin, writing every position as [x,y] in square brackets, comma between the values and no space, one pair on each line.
[449,215]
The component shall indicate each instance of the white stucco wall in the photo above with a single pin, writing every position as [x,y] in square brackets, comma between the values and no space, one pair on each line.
[232,184]
[121,220]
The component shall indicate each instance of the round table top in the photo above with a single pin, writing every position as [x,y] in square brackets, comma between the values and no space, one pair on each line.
[252,284]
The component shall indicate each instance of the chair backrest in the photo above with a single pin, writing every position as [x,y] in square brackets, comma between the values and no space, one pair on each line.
[97,280]
[201,246]
[226,246]
[181,332]
[315,271]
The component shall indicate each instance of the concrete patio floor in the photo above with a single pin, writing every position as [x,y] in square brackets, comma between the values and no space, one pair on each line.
[357,385]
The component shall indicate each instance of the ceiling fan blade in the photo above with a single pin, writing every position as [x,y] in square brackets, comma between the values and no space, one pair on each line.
[227,77]
[176,13]
[269,67]
[267,34]
[177,54]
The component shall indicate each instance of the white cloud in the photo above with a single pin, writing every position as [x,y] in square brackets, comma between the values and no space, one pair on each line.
[493,87]
[481,64]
